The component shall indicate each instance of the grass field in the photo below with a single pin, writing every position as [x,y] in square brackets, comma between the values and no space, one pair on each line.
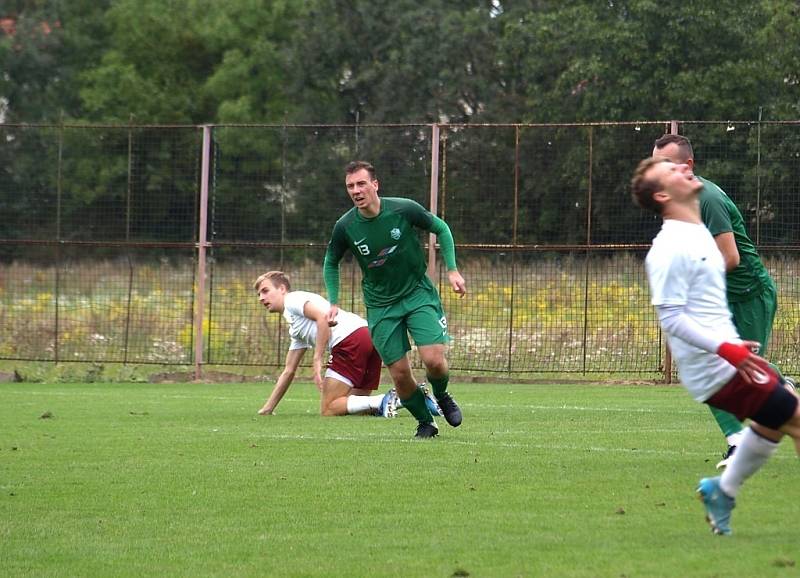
[540,480]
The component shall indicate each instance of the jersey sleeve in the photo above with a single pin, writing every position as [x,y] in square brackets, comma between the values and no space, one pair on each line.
[445,238]
[294,303]
[675,321]
[330,268]
[714,212]
[669,283]
[422,218]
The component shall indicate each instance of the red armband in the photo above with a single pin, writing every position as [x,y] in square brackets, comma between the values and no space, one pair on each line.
[733,353]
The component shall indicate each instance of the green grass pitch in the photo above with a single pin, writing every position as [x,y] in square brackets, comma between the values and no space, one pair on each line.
[540,480]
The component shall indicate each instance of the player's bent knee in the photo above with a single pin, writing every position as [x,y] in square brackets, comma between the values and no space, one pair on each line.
[437,368]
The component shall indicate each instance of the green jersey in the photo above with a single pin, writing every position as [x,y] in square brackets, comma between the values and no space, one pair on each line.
[386,247]
[720,215]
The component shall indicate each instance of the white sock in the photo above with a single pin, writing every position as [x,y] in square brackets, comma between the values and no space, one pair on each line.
[375,401]
[362,403]
[752,452]
[735,439]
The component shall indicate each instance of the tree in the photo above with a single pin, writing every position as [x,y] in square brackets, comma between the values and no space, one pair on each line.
[192,61]
[632,60]
[402,61]
[43,47]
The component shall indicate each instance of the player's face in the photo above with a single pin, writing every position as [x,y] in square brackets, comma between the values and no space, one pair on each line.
[271,297]
[677,180]
[363,190]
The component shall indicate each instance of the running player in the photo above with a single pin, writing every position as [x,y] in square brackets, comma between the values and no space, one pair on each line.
[400,298]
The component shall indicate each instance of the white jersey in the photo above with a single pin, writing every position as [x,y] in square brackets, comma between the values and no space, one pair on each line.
[684,267]
[303,330]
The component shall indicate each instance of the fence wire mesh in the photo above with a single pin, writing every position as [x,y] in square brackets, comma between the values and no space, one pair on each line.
[102,225]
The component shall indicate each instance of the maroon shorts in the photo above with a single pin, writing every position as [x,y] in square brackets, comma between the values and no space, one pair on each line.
[767,403]
[356,359]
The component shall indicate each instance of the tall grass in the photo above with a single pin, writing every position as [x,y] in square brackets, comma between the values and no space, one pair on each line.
[539,314]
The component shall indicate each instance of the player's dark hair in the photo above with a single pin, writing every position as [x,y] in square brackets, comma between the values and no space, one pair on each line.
[684,145]
[355,166]
[277,278]
[643,188]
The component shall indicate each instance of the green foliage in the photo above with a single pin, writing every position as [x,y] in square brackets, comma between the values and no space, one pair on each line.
[134,62]
[634,60]
[780,36]
[406,61]
[540,480]
[324,61]
[44,48]
[191,61]
[544,61]
[30,45]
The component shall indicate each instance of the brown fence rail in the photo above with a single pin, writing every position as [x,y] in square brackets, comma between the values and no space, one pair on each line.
[139,244]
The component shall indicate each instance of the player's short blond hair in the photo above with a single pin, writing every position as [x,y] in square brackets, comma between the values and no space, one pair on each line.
[277,278]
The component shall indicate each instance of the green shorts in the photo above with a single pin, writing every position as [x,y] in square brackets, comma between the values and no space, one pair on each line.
[753,319]
[419,314]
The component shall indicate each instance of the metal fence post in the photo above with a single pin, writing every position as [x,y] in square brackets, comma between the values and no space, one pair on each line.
[587,252]
[673,129]
[434,198]
[202,245]
[758,178]
[128,195]
[514,241]
[59,247]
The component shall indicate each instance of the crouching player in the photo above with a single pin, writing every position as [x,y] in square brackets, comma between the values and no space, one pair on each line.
[686,273]
[354,371]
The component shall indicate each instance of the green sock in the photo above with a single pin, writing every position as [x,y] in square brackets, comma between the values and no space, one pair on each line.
[438,384]
[727,421]
[417,407]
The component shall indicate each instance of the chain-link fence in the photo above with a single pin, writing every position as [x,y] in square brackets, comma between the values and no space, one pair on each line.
[139,244]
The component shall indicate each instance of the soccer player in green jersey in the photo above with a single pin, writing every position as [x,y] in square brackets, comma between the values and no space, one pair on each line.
[751,292]
[399,296]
